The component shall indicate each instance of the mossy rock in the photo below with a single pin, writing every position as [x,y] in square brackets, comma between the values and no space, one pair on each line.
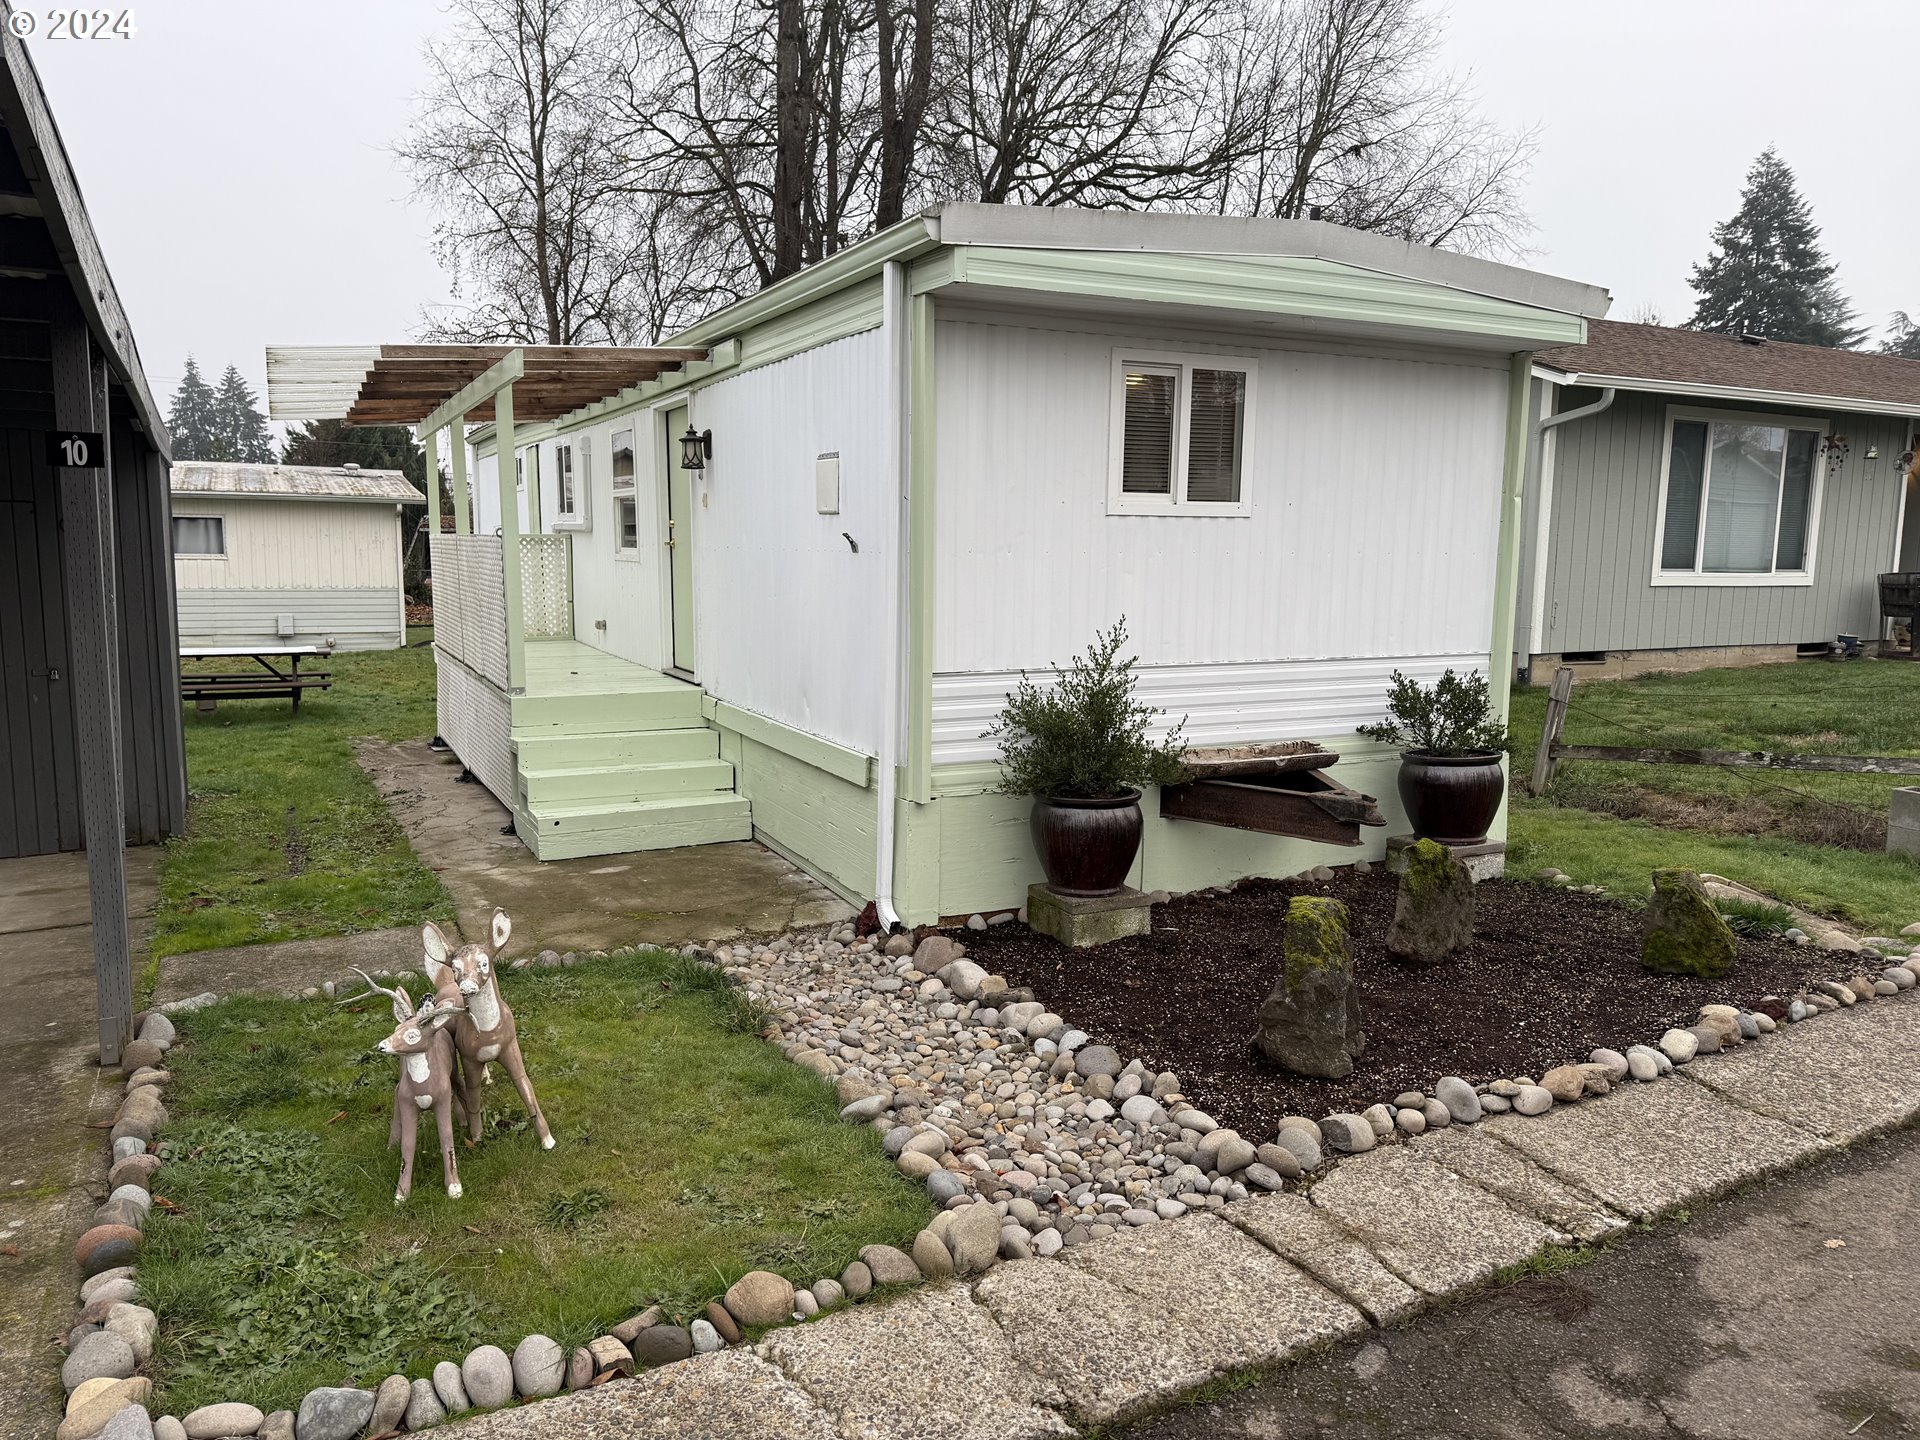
[1685,934]
[1310,1023]
[1433,912]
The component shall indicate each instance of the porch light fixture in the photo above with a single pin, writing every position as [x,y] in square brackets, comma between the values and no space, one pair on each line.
[696,448]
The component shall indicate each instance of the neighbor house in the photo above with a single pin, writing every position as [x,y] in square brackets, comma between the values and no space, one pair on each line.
[774,578]
[1697,499]
[91,752]
[280,555]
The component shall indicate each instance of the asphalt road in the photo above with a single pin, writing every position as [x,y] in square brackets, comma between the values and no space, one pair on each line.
[1791,1310]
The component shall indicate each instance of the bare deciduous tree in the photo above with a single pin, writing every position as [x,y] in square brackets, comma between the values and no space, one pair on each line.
[508,149]
[617,167]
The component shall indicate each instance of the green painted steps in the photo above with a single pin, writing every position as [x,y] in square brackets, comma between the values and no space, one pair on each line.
[653,780]
[568,831]
[610,749]
[670,708]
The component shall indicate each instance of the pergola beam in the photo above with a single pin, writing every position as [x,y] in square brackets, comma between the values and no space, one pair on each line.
[483,387]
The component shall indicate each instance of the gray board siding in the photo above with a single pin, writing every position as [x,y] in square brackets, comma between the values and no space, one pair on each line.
[352,619]
[1605,508]
[39,768]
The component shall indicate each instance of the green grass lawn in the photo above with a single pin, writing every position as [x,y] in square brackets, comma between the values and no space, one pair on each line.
[286,837]
[1813,839]
[689,1151]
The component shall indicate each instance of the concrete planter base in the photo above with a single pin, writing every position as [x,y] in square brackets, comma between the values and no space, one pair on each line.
[1081,922]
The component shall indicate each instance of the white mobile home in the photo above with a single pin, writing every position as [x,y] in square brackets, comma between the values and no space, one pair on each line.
[276,555]
[1288,453]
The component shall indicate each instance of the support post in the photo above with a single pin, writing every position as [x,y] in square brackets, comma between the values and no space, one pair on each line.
[1506,585]
[462,521]
[510,539]
[1544,760]
[534,525]
[93,666]
[921,509]
[430,442]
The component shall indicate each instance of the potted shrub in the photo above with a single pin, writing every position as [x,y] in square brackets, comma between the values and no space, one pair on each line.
[1079,747]
[1450,777]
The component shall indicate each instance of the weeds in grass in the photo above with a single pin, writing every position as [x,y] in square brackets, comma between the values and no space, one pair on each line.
[571,1209]
[1755,917]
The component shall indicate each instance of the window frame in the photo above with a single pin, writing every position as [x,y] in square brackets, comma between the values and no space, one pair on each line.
[1185,362]
[573,458]
[1816,494]
[628,553]
[174,544]
[630,484]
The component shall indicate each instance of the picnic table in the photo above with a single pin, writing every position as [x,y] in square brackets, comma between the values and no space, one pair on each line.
[270,680]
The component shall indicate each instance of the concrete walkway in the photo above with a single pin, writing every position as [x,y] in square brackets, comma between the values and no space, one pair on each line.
[52,1166]
[661,897]
[1123,1327]
[1786,1312]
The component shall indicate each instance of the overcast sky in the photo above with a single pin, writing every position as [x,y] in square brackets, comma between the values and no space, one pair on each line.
[235,154]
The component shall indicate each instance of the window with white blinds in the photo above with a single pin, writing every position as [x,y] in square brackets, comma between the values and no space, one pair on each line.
[1180,434]
[199,535]
[1740,497]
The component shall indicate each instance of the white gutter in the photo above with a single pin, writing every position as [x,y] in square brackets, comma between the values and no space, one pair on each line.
[1700,391]
[1543,511]
[893,326]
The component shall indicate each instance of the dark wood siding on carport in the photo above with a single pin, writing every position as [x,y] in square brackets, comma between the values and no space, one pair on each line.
[39,779]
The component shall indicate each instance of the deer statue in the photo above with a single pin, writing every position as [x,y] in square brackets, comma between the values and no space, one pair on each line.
[423,1040]
[484,1031]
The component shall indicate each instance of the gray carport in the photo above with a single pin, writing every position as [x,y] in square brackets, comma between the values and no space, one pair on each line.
[90,724]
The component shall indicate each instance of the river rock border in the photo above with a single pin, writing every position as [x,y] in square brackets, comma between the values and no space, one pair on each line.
[1029,1137]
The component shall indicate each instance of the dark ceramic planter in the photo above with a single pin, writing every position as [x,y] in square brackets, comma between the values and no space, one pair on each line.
[1086,846]
[1451,798]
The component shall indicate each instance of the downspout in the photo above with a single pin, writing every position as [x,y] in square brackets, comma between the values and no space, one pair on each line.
[1543,520]
[893,291]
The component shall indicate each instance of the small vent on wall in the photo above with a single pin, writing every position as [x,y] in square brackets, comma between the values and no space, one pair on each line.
[826,484]
[286,626]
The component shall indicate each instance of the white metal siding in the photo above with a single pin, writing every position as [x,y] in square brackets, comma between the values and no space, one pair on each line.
[788,617]
[1374,489]
[295,545]
[350,619]
[1222,704]
[619,600]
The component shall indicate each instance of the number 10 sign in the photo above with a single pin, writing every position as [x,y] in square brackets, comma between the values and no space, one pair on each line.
[75,449]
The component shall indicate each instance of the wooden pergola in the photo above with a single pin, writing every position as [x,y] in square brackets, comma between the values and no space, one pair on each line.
[436,387]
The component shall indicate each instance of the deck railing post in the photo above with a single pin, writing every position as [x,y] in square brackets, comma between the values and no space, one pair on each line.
[510,539]
[430,443]
[462,521]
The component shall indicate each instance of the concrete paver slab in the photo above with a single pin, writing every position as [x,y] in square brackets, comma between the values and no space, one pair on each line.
[1845,1076]
[722,1396]
[1110,1351]
[288,966]
[1427,1225]
[1311,1239]
[658,897]
[1483,1161]
[931,1365]
[1646,1148]
[1222,1288]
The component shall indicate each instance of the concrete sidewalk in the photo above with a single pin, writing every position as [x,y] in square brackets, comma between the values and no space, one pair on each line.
[1126,1326]
[652,897]
[52,1166]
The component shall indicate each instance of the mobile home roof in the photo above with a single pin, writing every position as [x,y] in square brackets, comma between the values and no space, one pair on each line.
[293,482]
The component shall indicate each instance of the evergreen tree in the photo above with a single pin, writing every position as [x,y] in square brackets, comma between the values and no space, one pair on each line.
[1903,337]
[191,416]
[239,429]
[1768,275]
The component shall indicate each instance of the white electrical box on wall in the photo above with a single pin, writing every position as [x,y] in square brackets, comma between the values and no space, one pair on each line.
[826,484]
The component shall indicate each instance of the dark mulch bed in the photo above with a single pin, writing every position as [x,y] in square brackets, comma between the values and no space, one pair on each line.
[1549,976]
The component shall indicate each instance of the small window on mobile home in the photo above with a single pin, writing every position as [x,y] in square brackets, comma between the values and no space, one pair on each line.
[626,518]
[1180,434]
[199,535]
[622,461]
[563,499]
